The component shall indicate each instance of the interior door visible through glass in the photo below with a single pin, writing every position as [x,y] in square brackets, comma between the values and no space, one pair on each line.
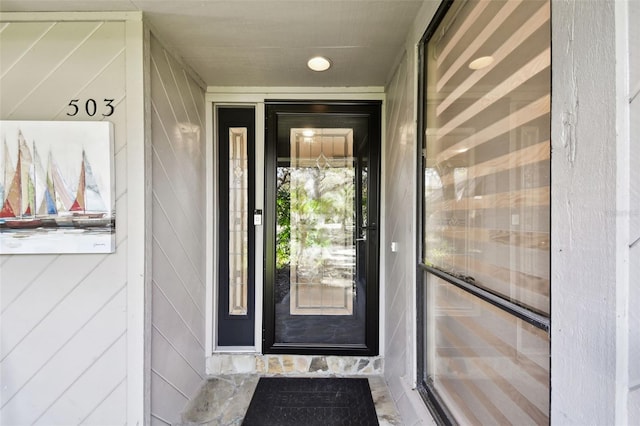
[322,272]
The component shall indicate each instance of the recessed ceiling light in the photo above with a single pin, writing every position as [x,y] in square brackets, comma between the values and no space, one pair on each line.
[319,63]
[482,62]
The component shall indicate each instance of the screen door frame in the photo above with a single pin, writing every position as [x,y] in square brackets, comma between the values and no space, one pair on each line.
[371,110]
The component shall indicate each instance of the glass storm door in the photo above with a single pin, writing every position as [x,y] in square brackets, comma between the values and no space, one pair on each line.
[321,254]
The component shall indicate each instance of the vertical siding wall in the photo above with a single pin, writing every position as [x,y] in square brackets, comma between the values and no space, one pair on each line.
[634,256]
[400,227]
[400,163]
[63,318]
[178,290]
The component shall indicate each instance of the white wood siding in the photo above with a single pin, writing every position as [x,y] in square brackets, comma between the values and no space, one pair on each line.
[64,317]
[400,196]
[634,255]
[400,188]
[178,291]
[400,158]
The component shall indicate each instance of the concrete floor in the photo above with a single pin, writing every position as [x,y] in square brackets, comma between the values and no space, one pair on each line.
[223,400]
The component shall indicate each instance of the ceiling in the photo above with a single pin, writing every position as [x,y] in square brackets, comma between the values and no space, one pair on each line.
[268,42]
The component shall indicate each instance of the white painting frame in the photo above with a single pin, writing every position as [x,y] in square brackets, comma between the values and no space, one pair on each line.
[57,187]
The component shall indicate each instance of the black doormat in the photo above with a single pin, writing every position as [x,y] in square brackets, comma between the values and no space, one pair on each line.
[287,401]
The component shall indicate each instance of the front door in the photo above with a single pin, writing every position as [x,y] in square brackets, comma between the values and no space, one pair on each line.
[322,167]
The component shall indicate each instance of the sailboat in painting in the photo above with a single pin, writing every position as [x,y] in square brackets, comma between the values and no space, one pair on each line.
[33,198]
[88,206]
[18,208]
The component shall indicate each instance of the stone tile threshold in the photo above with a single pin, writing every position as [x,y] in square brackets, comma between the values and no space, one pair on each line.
[224,399]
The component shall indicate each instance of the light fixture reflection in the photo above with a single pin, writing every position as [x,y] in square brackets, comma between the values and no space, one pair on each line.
[480,63]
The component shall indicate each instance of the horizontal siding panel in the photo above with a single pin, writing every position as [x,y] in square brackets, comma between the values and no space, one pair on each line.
[68,364]
[76,404]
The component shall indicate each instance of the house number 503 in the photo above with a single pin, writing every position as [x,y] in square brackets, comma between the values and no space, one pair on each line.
[91,107]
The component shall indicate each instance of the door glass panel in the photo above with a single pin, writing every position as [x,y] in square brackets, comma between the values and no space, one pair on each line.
[238,213]
[321,252]
[318,229]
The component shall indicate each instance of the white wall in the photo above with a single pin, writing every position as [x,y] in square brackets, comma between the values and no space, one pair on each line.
[66,343]
[178,291]
[400,227]
[634,256]
[590,254]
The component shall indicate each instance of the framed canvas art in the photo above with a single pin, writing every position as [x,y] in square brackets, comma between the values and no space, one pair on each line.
[57,187]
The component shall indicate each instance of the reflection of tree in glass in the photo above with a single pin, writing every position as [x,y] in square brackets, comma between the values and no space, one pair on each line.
[315,208]
[322,217]
[308,210]
[283,224]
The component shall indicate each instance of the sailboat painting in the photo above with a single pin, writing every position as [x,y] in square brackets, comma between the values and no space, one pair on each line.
[57,187]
